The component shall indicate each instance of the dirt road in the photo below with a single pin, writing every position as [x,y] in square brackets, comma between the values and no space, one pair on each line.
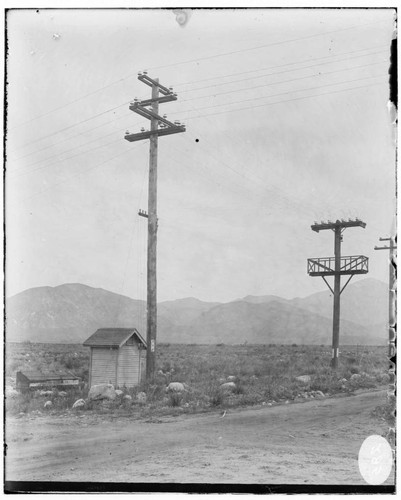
[315,442]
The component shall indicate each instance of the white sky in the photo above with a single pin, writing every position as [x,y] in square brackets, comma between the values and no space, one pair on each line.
[290,109]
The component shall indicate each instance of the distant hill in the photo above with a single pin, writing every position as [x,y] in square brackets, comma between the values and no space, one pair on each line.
[276,322]
[69,313]
[364,302]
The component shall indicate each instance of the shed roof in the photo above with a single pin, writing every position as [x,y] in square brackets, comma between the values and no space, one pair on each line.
[113,337]
[39,376]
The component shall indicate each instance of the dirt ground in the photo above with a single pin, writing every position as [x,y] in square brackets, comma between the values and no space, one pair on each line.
[315,442]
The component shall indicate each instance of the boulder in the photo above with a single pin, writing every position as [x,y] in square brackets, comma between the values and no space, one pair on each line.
[355,377]
[119,392]
[231,378]
[48,404]
[228,386]
[175,387]
[305,379]
[320,394]
[141,397]
[128,397]
[63,394]
[102,391]
[79,403]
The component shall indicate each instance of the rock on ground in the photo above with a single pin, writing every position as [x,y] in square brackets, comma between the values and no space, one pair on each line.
[355,377]
[62,394]
[79,403]
[175,387]
[305,379]
[127,396]
[48,404]
[231,378]
[141,397]
[119,392]
[228,386]
[102,391]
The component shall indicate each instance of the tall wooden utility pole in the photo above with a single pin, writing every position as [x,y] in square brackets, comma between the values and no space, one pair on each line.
[391,295]
[158,126]
[323,266]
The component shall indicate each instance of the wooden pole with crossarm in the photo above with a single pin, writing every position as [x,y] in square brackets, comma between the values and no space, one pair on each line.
[337,266]
[159,126]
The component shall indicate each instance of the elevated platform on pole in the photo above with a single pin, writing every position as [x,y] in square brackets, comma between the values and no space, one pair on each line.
[325,266]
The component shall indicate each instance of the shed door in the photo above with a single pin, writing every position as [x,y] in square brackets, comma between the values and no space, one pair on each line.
[104,364]
[128,366]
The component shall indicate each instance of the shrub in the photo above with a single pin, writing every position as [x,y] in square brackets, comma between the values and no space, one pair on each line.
[175,399]
[216,396]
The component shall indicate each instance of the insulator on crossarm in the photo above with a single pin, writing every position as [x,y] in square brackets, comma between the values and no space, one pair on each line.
[145,72]
[127,132]
[143,129]
[139,73]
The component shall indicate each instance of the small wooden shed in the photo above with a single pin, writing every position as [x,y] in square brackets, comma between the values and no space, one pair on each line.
[117,356]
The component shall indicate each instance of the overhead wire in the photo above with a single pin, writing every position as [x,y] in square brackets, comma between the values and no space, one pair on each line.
[284,81]
[287,100]
[226,92]
[273,44]
[285,71]
[195,60]
[63,159]
[127,102]
[80,172]
[284,65]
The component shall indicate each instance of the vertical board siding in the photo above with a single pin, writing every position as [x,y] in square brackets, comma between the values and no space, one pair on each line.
[128,366]
[104,366]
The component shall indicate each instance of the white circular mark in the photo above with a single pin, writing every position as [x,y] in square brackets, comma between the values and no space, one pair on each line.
[375,459]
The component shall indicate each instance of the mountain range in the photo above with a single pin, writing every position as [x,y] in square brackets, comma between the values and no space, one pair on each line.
[70,313]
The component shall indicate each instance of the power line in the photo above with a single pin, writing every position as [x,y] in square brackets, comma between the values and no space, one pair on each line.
[64,159]
[190,118]
[193,60]
[227,83]
[277,83]
[281,72]
[274,44]
[288,100]
[75,175]
[74,125]
[286,64]
[67,139]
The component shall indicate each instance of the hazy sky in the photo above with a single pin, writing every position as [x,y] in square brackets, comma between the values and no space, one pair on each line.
[289,108]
